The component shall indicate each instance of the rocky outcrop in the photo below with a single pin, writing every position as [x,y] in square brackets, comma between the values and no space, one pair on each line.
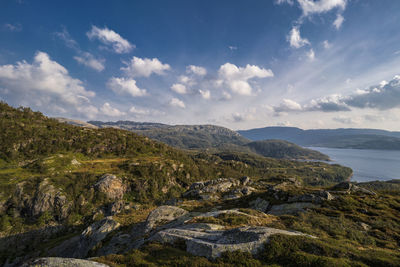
[111,186]
[117,207]
[317,197]
[210,241]
[259,204]
[348,188]
[62,262]
[91,237]
[212,190]
[162,215]
[45,198]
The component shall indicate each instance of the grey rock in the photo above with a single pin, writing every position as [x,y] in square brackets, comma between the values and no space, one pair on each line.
[347,187]
[247,190]
[291,208]
[79,246]
[210,242]
[208,197]
[232,196]
[365,226]
[46,198]
[259,204]
[111,185]
[220,185]
[62,262]
[162,215]
[244,180]
[317,198]
[116,207]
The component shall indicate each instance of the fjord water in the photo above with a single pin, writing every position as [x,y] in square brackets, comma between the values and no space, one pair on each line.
[367,165]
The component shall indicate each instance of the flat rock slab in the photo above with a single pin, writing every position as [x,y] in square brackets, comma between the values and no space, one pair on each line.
[162,215]
[210,242]
[62,262]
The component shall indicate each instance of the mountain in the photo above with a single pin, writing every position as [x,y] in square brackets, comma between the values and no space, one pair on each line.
[212,138]
[284,149]
[335,138]
[181,136]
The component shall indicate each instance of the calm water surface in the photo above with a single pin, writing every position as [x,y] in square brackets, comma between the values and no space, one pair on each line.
[367,165]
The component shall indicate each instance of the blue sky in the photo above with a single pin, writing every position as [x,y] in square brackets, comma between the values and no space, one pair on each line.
[240,64]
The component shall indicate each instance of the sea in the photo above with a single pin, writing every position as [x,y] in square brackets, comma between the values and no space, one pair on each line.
[368,165]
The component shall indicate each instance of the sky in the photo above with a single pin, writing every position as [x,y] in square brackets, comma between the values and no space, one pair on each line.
[238,64]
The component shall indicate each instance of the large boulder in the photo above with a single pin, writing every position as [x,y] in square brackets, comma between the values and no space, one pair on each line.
[112,186]
[259,204]
[79,246]
[163,215]
[62,262]
[45,198]
[210,241]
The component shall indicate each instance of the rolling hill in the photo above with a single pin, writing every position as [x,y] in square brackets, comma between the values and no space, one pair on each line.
[213,139]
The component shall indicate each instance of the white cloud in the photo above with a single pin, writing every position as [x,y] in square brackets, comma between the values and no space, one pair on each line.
[332,103]
[338,21]
[45,84]
[110,38]
[175,102]
[384,96]
[128,86]
[90,61]
[83,58]
[232,48]
[197,70]
[242,117]
[311,54]
[179,88]
[205,94]
[12,27]
[108,110]
[326,44]
[236,78]
[295,39]
[68,40]
[139,111]
[288,105]
[226,95]
[184,79]
[310,7]
[138,67]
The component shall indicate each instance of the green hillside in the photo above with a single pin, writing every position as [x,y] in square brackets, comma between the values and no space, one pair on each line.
[213,139]
[285,150]
[51,175]
[180,136]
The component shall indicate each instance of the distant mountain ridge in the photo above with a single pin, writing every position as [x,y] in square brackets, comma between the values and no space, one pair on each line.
[182,136]
[334,138]
[213,138]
